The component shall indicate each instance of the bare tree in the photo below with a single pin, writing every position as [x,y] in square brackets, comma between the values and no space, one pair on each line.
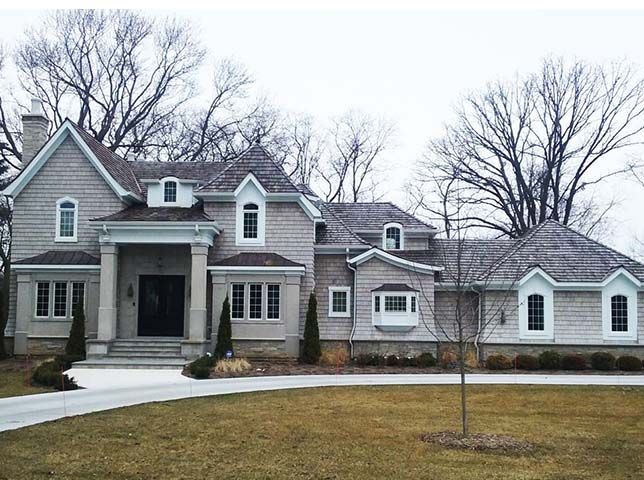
[534,149]
[357,143]
[5,257]
[306,150]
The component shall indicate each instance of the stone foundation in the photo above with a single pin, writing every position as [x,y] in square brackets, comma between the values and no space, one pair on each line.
[46,346]
[260,348]
[536,349]
[410,349]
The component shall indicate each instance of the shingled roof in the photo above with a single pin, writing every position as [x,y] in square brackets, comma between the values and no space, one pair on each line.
[60,257]
[141,213]
[201,171]
[373,216]
[255,259]
[255,160]
[334,231]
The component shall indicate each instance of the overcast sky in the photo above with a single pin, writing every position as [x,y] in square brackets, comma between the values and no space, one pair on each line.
[409,66]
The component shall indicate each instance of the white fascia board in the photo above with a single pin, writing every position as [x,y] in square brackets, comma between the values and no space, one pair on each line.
[416,232]
[309,208]
[339,249]
[21,266]
[257,270]
[144,225]
[250,178]
[49,148]
[394,260]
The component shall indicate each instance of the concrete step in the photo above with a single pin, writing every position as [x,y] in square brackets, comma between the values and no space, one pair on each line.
[151,363]
[151,349]
[146,354]
[137,342]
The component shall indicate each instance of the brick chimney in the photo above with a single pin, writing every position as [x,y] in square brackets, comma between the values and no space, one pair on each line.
[35,128]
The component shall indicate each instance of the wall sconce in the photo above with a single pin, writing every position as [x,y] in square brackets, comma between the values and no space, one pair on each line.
[130,291]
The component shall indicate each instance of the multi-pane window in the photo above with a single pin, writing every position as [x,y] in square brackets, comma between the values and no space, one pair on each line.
[42,299]
[376,304]
[413,304]
[170,192]
[66,228]
[255,301]
[536,318]
[272,302]
[60,299]
[251,219]
[619,313]
[237,306]
[395,303]
[392,238]
[78,294]
[339,301]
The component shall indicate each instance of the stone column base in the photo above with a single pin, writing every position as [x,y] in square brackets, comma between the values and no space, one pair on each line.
[192,349]
[97,348]
[292,345]
[20,343]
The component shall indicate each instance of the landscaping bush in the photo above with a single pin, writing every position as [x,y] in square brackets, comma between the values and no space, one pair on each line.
[48,374]
[224,331]
[409,361]
[311,350]
[573,361]
[602,361]
[498,362]
[426,359]
[362,359]
[335,356]
[235,365]
[550,360]
[370,360]
[392,361]
[200,368]
[526,362]
[76,341]
[449,359]
[200,372]
[628,363]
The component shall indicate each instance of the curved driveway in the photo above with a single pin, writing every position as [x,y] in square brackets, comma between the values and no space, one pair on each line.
[107,389]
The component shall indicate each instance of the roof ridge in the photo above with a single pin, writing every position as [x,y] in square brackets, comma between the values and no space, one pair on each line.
[230,165]
[355,235]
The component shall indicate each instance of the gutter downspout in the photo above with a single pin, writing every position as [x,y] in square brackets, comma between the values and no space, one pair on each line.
[479,319]
[353,309]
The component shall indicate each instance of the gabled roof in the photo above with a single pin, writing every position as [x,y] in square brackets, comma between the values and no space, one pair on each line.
[255,160]
[334,231]
[363,217]
[200,171]
[564,254]
[141,213]
[256,259]
[60,257]
[394,287]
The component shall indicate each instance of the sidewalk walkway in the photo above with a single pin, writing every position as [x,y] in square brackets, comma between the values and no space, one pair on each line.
[107,389]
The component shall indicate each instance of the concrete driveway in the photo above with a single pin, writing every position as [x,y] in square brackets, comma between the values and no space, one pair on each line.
[107,389]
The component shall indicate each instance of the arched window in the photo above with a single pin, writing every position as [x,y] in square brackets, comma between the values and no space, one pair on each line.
[619,313]
[536,318]
[393,237]
[251,220]
[66,220]
[170,191]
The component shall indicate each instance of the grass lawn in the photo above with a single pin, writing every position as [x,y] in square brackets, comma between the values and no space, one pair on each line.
[341,433]
[12,379]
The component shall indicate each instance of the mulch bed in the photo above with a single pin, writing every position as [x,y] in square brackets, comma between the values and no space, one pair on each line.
[479,442]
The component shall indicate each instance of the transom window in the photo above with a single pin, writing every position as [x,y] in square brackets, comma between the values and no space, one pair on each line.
[251,220]
[66,220]
[619,313]
[395,303]
[170,191]
[536,316]
[392,238]
[339,301]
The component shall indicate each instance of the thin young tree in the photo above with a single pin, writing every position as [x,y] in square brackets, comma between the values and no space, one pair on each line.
[311,350]
[224,332]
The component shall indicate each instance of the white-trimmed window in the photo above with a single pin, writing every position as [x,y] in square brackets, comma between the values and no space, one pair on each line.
[237,302]
[619,309]
[42,300]
[66,220]
[536,313]
[57,298]
[60,300]
[339,301]
[273,301]
[619,313]
[170,191]
[251,221]
[250,212]
[394,309]
[393,237]
[536,309]
[255,301]
[78,295]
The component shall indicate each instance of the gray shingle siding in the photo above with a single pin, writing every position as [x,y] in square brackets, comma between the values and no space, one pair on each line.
[331,271]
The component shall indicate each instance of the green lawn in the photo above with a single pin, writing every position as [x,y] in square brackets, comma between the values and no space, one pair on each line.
[13,380]
[341,433]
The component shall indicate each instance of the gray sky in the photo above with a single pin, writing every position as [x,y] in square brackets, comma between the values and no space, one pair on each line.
[408,66]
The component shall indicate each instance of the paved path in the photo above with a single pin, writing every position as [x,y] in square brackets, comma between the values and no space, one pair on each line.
[107,389]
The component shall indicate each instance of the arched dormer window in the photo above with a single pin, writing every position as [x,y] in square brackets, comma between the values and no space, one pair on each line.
[619,313]
[536,313]
[170,191]
[393,237]
[66,220]
[251,221]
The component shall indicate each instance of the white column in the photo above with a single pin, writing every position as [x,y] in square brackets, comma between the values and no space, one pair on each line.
[292,316]
[24,313]
[198,324]
[108,292]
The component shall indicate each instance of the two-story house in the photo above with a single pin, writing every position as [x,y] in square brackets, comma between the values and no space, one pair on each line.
[152,249]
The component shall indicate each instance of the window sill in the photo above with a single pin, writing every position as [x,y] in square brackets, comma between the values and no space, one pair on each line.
[256,322]
[339,315]
[51,319]
[66,240]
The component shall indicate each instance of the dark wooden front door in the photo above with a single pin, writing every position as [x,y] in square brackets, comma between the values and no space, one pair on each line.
[161,302]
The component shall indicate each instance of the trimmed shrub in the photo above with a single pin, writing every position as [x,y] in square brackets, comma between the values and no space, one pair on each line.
[409,361]
[224,331]
[362,359]
[200,368]
[629,363]
[200,372]
[392,361]
[573,361]
[311,350]
[498,362]
[602,361]
[550,360]
[49,374]
[76,341]
[526,362]
[426,359]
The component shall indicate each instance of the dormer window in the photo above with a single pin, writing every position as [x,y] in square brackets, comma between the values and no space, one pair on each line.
[251,221]
[393,238]
[66,220]
[170,192]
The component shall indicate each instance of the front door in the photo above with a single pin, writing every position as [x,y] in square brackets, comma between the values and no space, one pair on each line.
[161,302]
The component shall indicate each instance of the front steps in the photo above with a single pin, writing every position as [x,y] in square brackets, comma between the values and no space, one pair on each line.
[152,352]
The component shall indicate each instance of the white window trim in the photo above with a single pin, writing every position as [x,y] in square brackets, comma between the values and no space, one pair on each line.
[244,310]
[262,306]
[339,314]
[394,319]
[279,303]
[53,299]
[71,294]
[384,236]
[74,238]
[548,314]
[245,194]
[621,285]
[49,300]
[176,196]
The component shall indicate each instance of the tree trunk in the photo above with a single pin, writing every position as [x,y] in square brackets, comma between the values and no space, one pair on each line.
[463,391]
[4,307]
